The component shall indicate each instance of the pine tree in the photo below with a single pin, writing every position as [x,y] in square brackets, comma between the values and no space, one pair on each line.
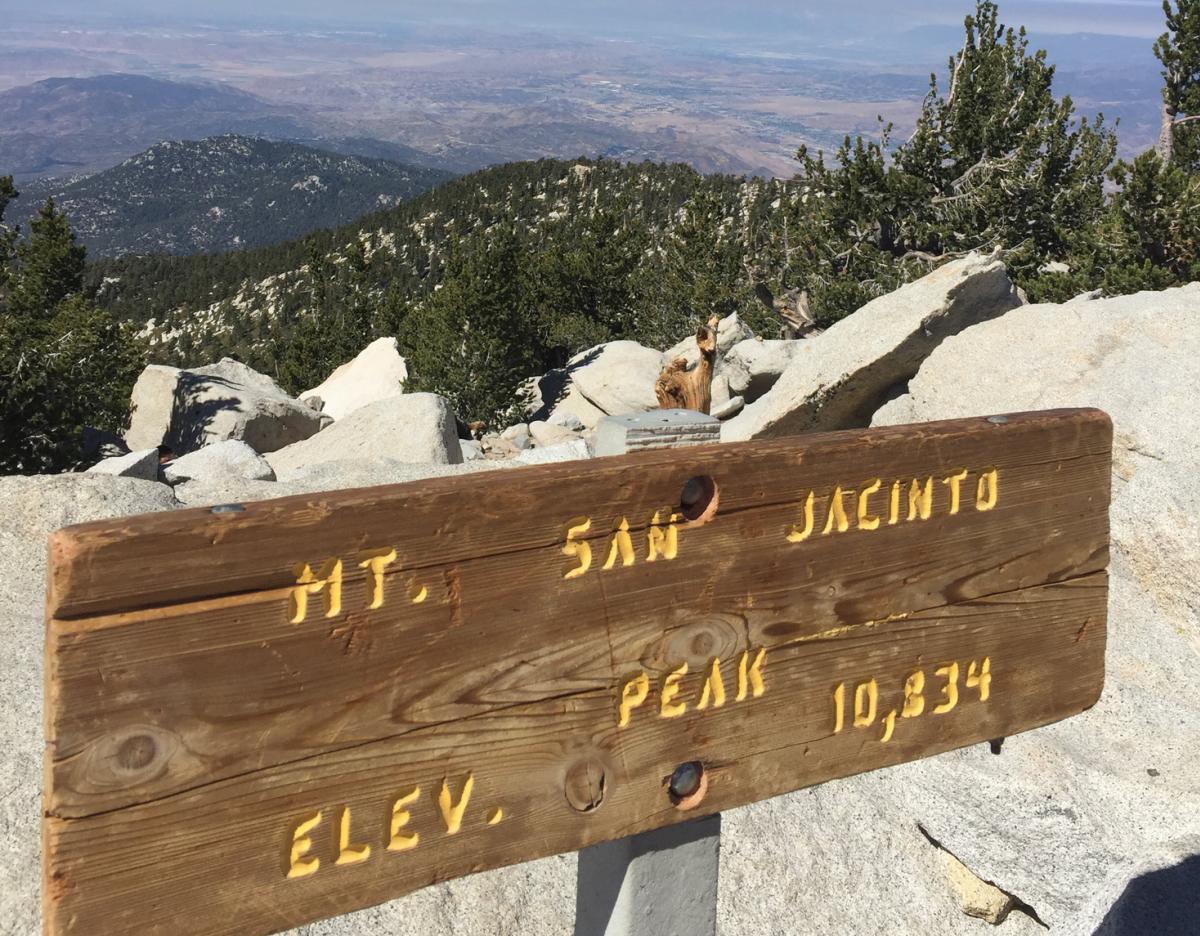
[1179,51]
[474,340]
[64,364]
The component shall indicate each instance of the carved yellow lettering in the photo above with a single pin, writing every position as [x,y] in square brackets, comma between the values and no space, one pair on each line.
[298,865]
[894,504]
[714,687]
[866,698]
[980,678]
[577,549]
[633,694]
[495,816]
[375,563]
[889,725]
[347,853]
[670,689]
[865,520]
[800,534]
[920,501]
[620,545]
[329,581]
[837,512]
[986,491]
[417,592]
[949,691]
[914,699]
[400,818]
[839,707]
[954,481]
[756,681]
[662,540]
[452,812]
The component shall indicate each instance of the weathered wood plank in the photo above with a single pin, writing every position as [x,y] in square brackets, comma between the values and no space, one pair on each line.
[167,558]
[513,627]
[143,704]
[216,860]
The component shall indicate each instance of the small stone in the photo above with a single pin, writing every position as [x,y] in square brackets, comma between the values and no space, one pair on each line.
[566,420]
[730,408]
[976,897]
[517,436]
[545,433]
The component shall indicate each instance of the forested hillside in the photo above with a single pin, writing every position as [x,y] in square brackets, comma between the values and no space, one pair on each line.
[223,193]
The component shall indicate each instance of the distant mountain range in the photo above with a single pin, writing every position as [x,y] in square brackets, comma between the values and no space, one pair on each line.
[223,193]
[78,126]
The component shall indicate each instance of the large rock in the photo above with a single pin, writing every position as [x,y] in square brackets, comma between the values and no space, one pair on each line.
[611,379]
[839,378]
[1093,822]
[377,373]
[143,464]
[30,509]
[753,366]
[414,427]
[228,459]
[188,409]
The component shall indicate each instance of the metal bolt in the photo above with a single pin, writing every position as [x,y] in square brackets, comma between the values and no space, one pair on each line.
[227,509]
[998,420]
[685,780]
[692,492]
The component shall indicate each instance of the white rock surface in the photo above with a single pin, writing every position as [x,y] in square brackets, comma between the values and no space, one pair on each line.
[143,464]
[517,436]
[378,372]
[1095,821]
[617,377]
[753,366]
[229,459]
[31,508]
[566,420]
[839,378]
[188,409]
[414,428]
[559,452]
[547,433]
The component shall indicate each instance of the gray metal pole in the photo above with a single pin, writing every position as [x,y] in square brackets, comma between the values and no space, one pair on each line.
[660,883]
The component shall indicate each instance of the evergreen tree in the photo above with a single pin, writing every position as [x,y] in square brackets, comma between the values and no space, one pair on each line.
[1179,51]
[64,364]
[473,340]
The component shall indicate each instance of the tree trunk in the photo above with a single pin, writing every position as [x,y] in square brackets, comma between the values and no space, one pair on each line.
[1166,135]
[680,388]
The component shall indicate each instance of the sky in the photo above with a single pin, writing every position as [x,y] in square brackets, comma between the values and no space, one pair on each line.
[745,19]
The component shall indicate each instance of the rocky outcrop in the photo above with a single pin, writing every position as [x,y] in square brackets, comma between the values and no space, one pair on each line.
[143,465]
[221,460]
[839,378]
[414,427]
[1088,823]
[30,509]
[377,373]
[731,331]
[188,409]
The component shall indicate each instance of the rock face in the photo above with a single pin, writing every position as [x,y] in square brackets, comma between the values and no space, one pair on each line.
[1091,822]
[839,378]
[752,367]
[228,459]
[143,464]
[377,373]
[610,379]
[188,409]
[31,509]
[414,427]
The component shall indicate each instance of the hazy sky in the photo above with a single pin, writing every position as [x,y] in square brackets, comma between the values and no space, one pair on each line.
[742,18]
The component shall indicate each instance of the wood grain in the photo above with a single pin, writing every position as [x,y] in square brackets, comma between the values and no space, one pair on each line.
[190,725]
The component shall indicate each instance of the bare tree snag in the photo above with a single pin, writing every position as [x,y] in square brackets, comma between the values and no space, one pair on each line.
[680,388]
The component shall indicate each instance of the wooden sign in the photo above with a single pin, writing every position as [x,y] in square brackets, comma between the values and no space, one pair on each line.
[264,715]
